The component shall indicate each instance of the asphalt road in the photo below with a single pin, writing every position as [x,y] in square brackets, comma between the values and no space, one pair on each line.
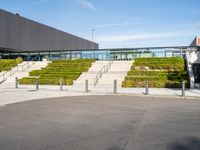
[101,123]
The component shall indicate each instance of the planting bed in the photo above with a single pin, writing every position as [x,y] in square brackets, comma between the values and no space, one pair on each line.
[7,64]
[160,72]
[68,70]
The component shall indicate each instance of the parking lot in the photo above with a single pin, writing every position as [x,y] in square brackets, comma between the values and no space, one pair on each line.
[101,123]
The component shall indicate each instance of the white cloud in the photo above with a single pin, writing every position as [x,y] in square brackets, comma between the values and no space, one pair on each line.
[131,22]
[195,12]
[111,25]
[37,2]
[87,4]
[143,36]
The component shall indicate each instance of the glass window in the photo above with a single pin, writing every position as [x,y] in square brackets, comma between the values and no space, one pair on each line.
[88,54]
[54,56]
[101,55]
[76,54]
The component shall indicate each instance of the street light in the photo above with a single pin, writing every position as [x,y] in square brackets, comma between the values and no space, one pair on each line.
[93,38]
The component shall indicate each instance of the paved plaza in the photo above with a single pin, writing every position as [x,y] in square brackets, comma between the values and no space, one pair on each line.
[9,94]
[101,123]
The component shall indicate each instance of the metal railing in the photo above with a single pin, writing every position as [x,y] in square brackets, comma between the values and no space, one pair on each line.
[104,69]
[27,65]
[9,73]
[99,75]
[108,65]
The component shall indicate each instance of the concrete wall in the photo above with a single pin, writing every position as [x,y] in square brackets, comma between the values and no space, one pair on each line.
[20,33]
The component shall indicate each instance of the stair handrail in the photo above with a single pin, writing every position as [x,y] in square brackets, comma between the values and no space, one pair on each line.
[7,74]
[10,72]
[108,65]
[27,64]
[104,69]
[99,75]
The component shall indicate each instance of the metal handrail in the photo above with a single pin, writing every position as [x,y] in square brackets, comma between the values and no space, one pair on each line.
[9,73]
[108,65]
[26,64]
[104,69]
[99,75]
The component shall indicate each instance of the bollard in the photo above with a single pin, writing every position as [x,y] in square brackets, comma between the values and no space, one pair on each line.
[61,85]
[4,77]
[37,83]
[86,86]
[115,86]
[147,87]
[183,88]
[16,82]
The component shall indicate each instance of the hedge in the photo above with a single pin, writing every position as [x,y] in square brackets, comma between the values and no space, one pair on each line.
[153,84]
[46,81]
[162,73]
[7,64]
[173,63]
[68,70]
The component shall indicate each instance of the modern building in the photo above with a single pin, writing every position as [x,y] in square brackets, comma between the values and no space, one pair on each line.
[33,41]
[18,34]
[21,37]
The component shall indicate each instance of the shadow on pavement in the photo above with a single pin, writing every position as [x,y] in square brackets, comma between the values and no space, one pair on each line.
[191,143]
[114,148]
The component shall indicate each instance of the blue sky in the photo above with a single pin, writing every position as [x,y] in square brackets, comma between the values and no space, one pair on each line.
[117,23]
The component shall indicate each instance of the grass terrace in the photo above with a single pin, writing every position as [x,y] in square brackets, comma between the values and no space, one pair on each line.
[160,72]
[7,64]
[68,70]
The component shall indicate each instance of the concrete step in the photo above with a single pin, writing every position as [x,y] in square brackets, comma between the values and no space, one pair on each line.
[35,66]
[91,74]
[118,70]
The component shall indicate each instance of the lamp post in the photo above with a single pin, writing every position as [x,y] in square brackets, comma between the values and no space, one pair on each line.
[93,38]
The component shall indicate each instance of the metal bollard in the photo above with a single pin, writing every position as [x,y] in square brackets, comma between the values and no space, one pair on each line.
[86,86]
[37,83]
[16,82]
[115,86]
[183,89]
[61,85]
[147,87]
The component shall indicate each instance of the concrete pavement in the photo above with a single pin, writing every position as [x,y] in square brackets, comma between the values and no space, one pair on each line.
[101,123]
[11,95]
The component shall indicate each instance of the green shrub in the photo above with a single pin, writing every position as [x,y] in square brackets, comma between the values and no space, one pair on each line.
[173,63]
[7,64]
[19,60]
[46,81]
[162,73]
[68,70]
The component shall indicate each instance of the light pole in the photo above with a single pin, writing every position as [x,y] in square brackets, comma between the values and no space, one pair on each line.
[93,38]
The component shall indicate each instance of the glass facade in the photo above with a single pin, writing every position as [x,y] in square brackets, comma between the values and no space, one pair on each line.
[100,54]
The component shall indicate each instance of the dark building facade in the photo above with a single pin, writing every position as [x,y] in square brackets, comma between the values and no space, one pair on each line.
[19,33]
[21,37]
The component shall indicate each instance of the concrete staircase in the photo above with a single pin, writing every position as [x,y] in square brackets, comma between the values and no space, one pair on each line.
[91,74]
[37,65]
[117,71]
